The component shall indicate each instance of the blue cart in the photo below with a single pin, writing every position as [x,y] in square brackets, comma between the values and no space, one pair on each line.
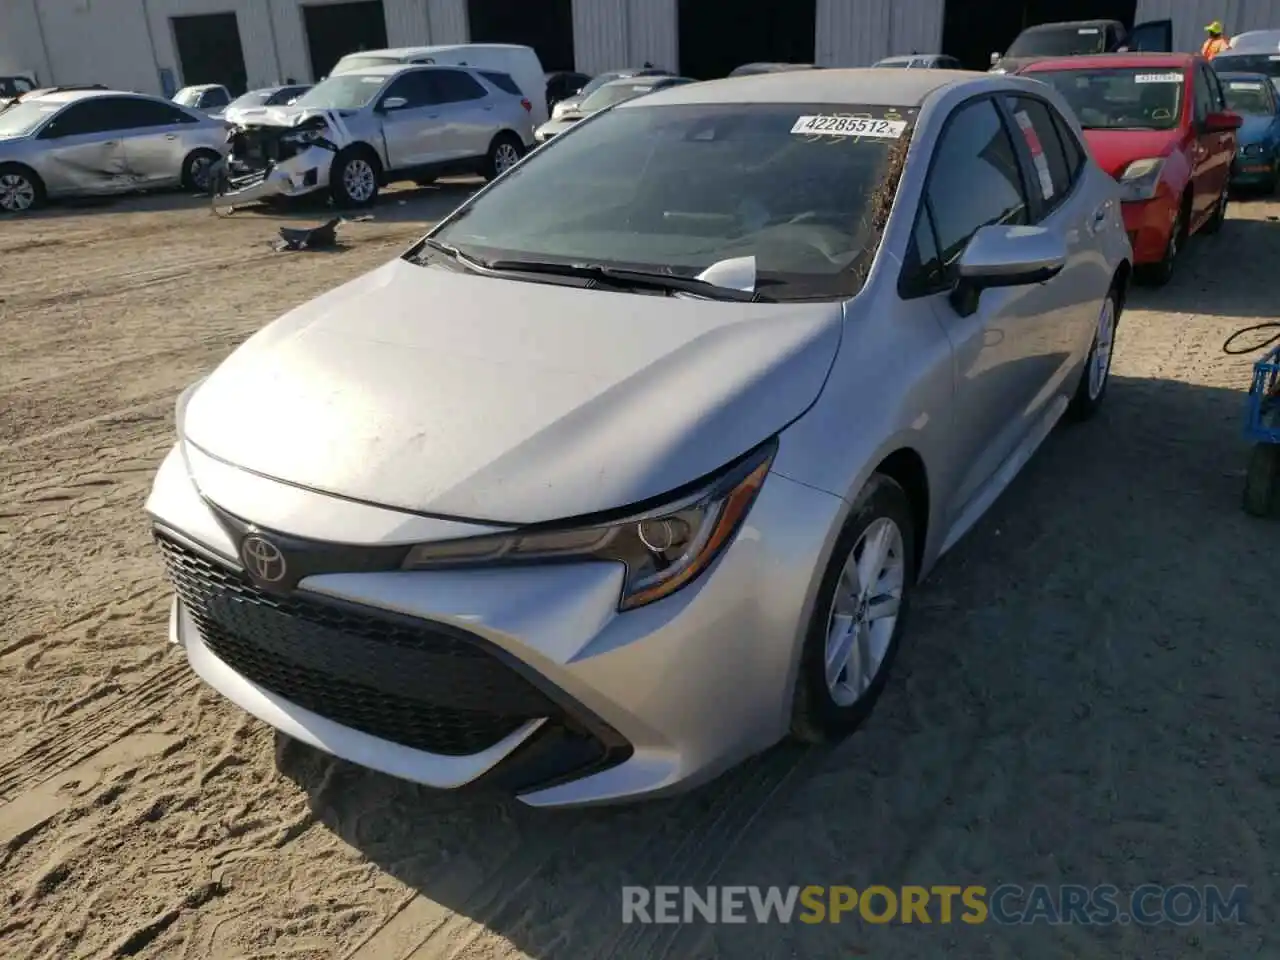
[1262,427]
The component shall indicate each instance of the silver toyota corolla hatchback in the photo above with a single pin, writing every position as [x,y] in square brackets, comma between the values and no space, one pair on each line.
[629,468]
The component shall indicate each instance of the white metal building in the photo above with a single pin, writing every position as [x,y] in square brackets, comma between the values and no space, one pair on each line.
[147,45]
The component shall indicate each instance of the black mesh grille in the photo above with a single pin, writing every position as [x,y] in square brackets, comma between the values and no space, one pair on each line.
[415,683]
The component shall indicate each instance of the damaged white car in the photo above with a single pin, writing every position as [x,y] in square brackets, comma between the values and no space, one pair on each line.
[352,134]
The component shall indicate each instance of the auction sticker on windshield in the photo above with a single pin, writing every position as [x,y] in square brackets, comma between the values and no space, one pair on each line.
[1158,78]
[837,126]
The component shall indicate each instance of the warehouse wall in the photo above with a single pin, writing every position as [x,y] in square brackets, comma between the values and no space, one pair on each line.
[1190,16]
[21,45]
[857,33]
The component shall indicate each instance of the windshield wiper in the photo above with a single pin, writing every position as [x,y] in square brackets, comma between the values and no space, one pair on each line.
[636,279]
[454,254]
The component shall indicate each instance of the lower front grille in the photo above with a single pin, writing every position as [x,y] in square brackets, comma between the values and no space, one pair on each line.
[421,684]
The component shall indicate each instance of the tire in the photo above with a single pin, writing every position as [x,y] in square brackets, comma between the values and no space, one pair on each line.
[21,189]
[1096,375]
[353,178]
[1262,482]
[198,172]
[505,151]
[1159,274]
[1214,223]
[823,711]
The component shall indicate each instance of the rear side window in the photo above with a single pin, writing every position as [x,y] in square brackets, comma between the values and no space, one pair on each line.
[975,180]
[1049,163]
[502,81]
[150,113]
[454,86]
[1071,147]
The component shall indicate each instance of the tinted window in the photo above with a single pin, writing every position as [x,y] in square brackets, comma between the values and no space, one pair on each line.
[454,86]
[1252,97]
[1217,98]
[1204,104]
[1265,63]
[922,271]
[1071,147]
[974,180]
[214,98]
[684,186]
[1035,123]
[416,88]
[148,113]
[1058,42]
[502,81]
[1148,98]
[285,95]
[98,115]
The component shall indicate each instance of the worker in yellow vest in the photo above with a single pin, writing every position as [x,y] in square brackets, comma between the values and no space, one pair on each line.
[1216,42]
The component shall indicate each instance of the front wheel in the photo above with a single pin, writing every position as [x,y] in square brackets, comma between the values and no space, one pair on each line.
[20,189]
[1159,274]
[353,179]
[1097,368]
[199,171]
[856,626]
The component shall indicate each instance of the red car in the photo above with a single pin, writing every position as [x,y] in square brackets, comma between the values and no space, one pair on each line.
[1159,124]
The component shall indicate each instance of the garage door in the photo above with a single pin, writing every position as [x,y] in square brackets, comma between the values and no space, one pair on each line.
[546,25]
[336,29]
[718,35]
[209,51]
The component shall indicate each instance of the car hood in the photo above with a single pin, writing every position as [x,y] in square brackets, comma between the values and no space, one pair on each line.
[452,394]
[1254,128]
[1116,149]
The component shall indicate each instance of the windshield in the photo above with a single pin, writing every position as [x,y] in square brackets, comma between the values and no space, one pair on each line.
[677,188]
[351,91]
[354,64]
[1059,42]
[1251,97]
[1267,64]
[1120,98]
[597,82]
[188,96]
[22,118]
[614,93]
[254,98]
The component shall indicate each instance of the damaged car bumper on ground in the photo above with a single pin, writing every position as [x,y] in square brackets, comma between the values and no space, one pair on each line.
[268,159]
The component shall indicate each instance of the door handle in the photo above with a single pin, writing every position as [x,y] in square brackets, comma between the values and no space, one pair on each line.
[1100,214]
[171,136]
[112,143]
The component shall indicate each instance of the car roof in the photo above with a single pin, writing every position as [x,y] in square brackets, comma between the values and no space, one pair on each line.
[438,48]
[1070,25]
[897,88]
[203,86]
[70,96]
[1255,41]
[1100,61]
[394,69]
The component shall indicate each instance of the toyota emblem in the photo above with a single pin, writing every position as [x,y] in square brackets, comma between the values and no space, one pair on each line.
[263,559]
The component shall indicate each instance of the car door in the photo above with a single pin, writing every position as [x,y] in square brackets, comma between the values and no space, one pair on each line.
[412,132]
[81,148]
[467,112]
[1054,162]
[976,179]
[1222,145]
[1208,165]
[1151,36]
[154,147]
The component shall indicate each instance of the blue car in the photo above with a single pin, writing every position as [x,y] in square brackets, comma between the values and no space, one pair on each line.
[1254,97]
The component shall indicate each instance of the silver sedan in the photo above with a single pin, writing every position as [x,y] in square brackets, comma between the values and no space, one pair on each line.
[95,142]
[629,468]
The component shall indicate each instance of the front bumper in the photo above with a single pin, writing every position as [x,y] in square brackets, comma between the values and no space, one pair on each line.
[304,173]
[523,678]
[1148,223]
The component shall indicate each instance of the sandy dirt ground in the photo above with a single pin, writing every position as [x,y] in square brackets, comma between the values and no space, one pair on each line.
[1088,693]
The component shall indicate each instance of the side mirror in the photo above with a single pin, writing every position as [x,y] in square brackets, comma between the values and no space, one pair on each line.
[995,58]
[393,103]
[1000,256]
[1222,121]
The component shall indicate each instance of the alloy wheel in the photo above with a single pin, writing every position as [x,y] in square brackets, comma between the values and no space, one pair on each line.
[505,157]
[358,179]
[17,193]
[864,611]
[1100,367]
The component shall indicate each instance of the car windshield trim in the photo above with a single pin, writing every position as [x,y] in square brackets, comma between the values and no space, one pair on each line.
[1120,97]
[661,193]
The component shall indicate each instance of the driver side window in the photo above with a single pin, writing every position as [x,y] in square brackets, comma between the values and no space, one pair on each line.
[415,88]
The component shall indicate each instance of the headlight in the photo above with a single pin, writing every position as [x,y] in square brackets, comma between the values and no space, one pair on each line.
[1141,179]
[1254,150]
[663,549]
